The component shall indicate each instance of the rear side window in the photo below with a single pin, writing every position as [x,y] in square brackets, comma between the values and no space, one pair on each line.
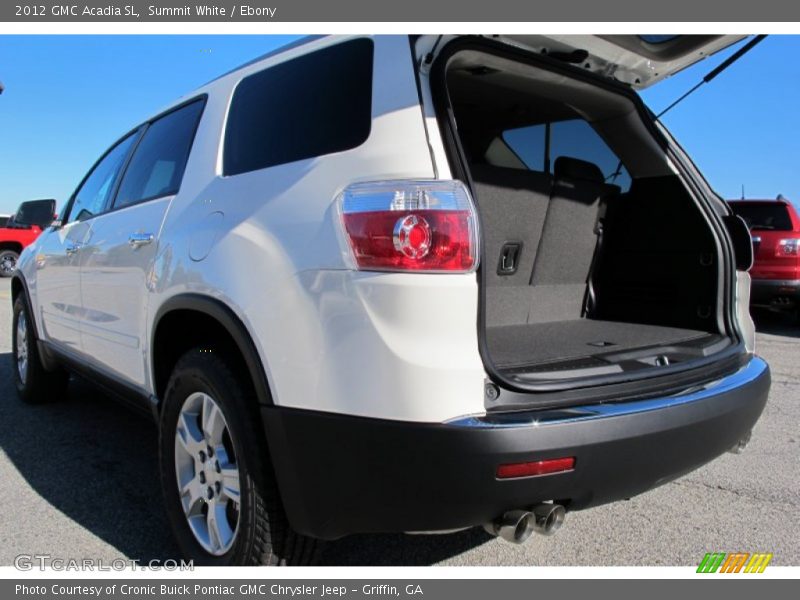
[309,106]
[528,144]
[764,215]
[157,166]
[577,139]
[538,147]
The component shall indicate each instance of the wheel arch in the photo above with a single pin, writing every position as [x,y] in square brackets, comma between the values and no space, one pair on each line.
[17,287]
[203,311]
[20,287]
[11,245]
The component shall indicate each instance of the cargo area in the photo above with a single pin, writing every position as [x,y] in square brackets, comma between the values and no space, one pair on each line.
[596,259]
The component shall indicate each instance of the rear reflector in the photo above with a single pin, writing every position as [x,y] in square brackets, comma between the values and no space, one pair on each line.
[539,467]
[421,226]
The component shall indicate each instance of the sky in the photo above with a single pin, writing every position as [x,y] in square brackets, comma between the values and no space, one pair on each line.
[68,98]
[743,128]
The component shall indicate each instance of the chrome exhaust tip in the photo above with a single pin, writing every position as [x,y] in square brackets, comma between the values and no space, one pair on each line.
[515,526]
[548,518]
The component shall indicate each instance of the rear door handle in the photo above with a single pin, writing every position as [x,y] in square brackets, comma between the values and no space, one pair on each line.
[140,239]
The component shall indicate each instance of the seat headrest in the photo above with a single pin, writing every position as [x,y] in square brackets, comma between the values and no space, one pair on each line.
[567,167]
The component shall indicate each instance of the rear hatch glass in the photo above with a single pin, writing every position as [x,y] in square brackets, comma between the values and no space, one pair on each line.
[770,216]
[35,212]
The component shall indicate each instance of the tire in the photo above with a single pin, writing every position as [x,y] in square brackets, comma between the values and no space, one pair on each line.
[205,397]
[8,262]
[35,385]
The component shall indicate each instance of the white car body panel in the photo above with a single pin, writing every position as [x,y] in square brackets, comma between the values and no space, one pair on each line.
[56,275]
[115,279]
[295,290]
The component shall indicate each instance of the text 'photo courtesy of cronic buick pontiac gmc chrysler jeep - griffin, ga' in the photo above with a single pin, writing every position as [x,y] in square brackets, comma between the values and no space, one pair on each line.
[404,284]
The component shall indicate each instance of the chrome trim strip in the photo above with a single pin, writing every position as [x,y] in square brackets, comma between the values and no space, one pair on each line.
[747,374]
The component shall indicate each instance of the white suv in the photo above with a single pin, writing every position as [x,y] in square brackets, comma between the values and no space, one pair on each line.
[404,284]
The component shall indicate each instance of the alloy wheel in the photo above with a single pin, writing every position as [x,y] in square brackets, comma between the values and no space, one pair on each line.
[8,264]
[207,474]
[22,347]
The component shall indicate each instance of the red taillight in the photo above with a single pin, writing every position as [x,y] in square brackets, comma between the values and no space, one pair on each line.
[412,236]
[418,241]
[538,467]
[788,247]
[410,226]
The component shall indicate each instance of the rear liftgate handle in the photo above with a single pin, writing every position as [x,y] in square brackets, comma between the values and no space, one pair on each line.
[509,258]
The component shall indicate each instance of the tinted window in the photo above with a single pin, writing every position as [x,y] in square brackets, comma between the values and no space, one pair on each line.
[577,139]
[574,138]
[528,143]
[36,212]
[309,106]
[764,215]
[156,168]
[91,197]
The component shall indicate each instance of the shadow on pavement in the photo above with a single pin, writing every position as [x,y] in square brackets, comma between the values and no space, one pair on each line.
[776,323]
[95,461]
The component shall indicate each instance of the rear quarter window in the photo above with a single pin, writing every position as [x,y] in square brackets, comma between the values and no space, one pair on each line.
[309,106]
[537,147]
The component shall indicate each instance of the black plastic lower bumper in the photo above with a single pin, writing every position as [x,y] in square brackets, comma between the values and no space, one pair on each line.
[340,474]
[767,291]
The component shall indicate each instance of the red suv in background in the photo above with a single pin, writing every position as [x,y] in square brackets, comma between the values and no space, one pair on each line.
[775,229]
[22,228]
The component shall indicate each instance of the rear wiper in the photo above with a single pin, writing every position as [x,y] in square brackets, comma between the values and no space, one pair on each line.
[726,63]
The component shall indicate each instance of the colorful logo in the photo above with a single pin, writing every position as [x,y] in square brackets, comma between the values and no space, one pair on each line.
[734,562]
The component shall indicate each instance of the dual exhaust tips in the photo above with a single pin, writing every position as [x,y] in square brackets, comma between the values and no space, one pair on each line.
[516,526]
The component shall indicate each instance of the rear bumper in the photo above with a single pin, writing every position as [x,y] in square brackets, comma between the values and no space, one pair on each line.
[340,475]
[765,291]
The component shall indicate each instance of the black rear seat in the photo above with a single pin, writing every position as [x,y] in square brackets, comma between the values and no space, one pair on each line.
[553,222]
[568,240]
[512,205]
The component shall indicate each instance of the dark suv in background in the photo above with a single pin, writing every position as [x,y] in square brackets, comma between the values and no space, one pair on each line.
[775,229]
